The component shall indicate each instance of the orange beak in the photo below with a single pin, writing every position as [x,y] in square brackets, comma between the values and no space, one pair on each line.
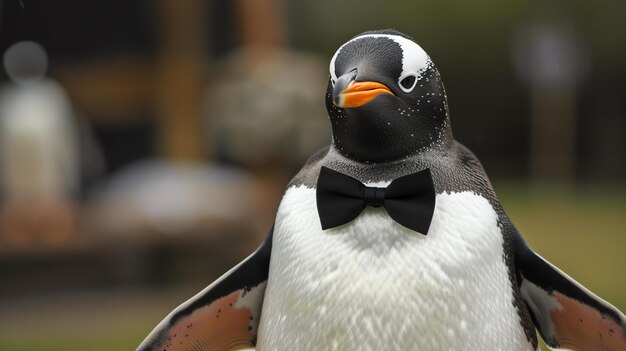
[359,93]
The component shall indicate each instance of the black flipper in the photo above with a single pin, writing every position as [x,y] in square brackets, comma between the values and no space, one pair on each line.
[223,316]
[567,315]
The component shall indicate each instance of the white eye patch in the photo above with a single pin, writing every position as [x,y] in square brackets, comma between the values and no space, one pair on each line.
[414,59]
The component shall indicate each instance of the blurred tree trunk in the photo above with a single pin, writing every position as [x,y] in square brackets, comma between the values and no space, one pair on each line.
[553,131]
[180,70]
[261,27]
[551,59]
[261,23]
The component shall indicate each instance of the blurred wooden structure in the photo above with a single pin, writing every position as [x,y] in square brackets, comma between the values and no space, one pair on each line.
[181,77]
[166,89]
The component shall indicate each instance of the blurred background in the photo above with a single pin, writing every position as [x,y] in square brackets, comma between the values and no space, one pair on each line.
[144,145]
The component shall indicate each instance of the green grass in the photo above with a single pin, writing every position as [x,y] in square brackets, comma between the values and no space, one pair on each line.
[84,321]
[582,231]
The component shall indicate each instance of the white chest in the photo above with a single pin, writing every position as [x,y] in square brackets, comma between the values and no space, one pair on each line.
[375,285]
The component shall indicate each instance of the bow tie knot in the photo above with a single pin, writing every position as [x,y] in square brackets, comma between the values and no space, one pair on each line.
[409,200]
[374,197]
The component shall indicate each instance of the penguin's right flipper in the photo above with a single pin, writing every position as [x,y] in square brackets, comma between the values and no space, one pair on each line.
[567,315]
[223,316]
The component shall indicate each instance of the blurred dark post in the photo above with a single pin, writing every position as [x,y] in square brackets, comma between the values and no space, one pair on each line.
[552,132]
[181,65]
[549,58]
[261,23]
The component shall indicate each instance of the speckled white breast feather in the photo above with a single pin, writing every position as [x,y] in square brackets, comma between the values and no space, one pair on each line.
[374,285]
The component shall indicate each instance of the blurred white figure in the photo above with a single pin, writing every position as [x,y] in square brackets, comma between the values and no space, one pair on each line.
[39,168]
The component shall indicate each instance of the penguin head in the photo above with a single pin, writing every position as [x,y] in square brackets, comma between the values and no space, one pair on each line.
[385,98]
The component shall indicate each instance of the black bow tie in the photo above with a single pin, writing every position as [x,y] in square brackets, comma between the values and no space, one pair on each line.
[409,200]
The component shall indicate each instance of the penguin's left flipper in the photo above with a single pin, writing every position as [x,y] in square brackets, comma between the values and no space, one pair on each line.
[223,316]
[567,315]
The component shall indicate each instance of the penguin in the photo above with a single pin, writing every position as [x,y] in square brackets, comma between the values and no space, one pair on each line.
[467,281]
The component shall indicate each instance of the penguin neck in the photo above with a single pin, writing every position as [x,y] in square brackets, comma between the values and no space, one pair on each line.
[389,170]
[390,149]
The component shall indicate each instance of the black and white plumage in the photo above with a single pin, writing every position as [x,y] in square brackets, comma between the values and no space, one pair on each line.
[472,283]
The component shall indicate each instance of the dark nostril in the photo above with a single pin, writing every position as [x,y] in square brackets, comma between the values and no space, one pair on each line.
[353,73]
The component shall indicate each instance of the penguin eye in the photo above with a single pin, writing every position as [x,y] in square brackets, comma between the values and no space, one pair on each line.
[408,83]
